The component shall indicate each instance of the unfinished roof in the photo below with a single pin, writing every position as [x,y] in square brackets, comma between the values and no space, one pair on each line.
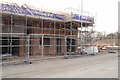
[26,10]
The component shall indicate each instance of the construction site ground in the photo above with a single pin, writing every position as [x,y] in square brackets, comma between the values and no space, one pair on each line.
[102,65]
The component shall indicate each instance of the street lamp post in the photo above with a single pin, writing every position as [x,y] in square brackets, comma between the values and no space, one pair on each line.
[81,22]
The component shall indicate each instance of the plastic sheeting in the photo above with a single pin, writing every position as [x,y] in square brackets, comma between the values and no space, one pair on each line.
[91,50]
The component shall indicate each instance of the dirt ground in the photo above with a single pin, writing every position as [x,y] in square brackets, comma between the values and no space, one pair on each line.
[103,65]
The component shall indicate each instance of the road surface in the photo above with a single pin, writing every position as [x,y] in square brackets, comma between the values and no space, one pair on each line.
[103,65]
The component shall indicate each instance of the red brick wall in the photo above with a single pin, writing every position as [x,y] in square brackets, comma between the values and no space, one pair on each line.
[22,47]
[35,48]
[63,47]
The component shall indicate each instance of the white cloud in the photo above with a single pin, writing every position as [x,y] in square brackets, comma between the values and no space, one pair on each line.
[107,10]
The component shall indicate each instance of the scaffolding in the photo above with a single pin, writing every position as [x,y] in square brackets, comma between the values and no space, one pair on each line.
[36,36]
[85,29]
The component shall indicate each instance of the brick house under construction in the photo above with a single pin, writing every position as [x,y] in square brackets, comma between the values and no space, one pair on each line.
[37,32]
